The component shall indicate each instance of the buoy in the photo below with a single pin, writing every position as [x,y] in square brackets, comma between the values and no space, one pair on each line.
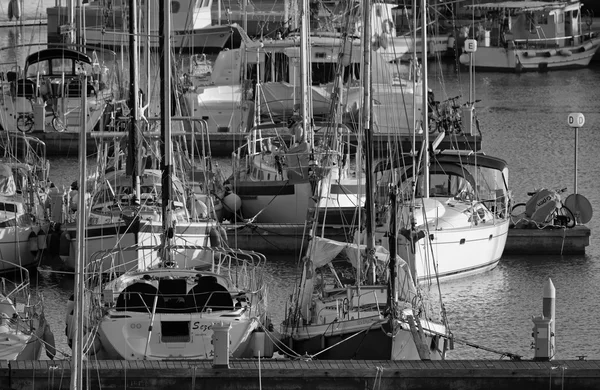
[200,209]
[232,202]
[587,46]
[223,233]
[49,342]
[33,242]
[384,41]
[565,52]
[41,240]
[464,59]
[215,238]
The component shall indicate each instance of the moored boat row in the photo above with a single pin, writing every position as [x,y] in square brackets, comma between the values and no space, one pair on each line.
[416,217]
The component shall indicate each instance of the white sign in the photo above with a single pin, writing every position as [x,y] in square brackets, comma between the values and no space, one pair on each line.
[470,45]
[576,119]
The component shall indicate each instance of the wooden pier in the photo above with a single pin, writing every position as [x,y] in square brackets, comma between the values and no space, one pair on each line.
[314,375]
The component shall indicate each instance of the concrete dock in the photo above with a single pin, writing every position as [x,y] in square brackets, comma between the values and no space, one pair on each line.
[289,238]
[548,241]
[313,375]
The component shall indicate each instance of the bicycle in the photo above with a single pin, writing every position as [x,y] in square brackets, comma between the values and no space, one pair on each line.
[25,122]
[445,116]
[543,209]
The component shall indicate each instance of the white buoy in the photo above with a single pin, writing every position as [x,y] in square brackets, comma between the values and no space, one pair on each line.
[232,202]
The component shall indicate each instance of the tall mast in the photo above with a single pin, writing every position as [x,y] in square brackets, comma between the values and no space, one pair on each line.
[425,92]
[133,161]
[78,317]
[305,81]
[367,121]
[165,118]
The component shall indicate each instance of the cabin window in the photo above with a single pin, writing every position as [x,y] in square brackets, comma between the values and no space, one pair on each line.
[276,67]
[62,65]
[175,6]
[40,68]
[8,207]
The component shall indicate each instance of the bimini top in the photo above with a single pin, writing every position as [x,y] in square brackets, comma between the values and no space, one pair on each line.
[517,5]
[448,157]
[49,54]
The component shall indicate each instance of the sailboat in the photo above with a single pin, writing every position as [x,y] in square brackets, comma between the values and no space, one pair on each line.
[105,24]
[366,305]
[45,94]
[127,203]
[24,330]
[169,311]
[24,221]
[276,171]
[454,214]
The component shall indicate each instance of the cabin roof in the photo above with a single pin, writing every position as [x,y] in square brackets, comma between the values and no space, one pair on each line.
[517,5]
[48,54]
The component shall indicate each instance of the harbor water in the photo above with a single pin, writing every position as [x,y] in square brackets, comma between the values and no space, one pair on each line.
[524,121]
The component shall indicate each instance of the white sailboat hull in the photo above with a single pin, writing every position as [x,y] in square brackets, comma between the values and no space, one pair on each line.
[15,247]
[460,252]
[518,60]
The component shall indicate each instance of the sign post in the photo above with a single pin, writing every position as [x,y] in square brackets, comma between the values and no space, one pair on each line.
[471,48]
[576,120]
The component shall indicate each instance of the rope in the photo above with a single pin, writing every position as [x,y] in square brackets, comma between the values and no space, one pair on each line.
[378,376]
[340,342]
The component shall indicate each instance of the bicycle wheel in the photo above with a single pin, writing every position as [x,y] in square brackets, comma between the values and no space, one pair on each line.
[24,123]
[564,217]
[58,124]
